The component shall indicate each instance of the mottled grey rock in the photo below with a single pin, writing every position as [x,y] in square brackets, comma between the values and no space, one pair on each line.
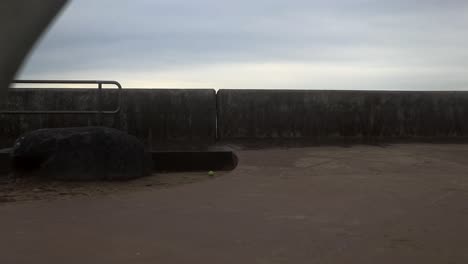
[84,153]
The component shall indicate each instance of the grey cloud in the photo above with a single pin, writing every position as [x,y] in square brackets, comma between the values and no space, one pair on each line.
[164,35]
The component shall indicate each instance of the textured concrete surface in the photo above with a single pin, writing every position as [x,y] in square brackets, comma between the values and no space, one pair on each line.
[397,204]
[159,117]
[327,116]
[193,119]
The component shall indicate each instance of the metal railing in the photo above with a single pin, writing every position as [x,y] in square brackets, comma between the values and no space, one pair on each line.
[99,110]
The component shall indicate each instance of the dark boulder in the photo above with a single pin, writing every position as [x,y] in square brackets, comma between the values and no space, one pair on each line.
[5,161]
[82,153]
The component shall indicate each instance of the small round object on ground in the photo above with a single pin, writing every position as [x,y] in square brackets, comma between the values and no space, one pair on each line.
[211,173]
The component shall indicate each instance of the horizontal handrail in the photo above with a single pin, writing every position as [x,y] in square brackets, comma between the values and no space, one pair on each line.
[98,82]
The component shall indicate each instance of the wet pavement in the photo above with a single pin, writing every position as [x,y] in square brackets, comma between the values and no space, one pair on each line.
[362,204]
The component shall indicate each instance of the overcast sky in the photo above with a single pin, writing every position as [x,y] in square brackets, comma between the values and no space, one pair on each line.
[296,44]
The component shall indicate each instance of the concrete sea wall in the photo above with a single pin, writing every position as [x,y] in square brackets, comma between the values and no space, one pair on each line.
[195,119]
[327,116]
[161,118]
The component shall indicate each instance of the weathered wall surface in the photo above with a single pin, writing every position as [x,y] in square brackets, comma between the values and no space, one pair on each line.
[323,116]
[188,119]
[161,118]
